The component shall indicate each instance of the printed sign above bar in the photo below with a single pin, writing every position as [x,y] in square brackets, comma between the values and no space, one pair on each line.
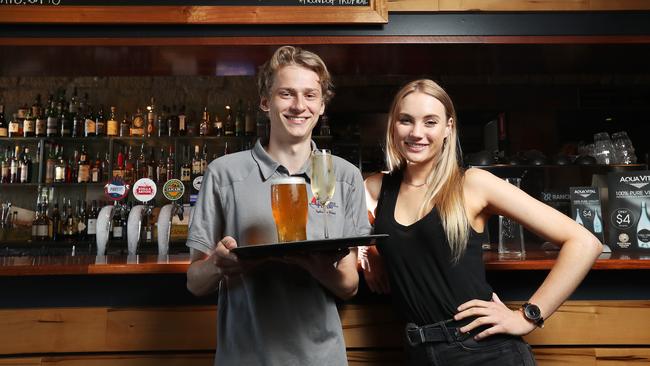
[194,12]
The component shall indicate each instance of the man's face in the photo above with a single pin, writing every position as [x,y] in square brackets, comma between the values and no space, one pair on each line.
[294,104]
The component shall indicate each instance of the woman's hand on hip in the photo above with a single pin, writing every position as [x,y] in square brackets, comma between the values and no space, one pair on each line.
[496,315]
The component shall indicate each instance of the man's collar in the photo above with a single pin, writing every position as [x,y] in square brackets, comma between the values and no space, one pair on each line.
[268,166]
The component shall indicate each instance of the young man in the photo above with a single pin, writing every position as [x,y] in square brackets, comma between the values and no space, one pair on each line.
[276,312]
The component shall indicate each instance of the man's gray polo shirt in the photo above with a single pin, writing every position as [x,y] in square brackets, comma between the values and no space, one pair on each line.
[277,314]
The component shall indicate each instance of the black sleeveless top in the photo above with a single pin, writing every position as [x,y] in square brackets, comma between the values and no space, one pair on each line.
[426,286]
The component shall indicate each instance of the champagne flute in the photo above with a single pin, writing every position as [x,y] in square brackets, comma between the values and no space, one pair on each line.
[323,180]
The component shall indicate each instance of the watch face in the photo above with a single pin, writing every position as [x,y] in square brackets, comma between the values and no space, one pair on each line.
[532,312]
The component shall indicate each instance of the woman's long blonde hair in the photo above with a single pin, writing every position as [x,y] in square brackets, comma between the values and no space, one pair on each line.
[445,181]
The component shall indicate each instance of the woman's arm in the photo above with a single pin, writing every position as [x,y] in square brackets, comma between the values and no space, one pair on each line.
[371,262]
[486,194]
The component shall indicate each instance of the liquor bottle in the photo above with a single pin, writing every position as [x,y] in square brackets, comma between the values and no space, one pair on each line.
[78,123]
[129,167]
[5,170]
[172,123]
[118,233]
[171,167]
[29,124]
[74,103]
[91,222]
[190,124]
[204,127]
[52,124]
[643,228]
[40,118]
[196,163]
[324,126]
[71,167]
[118,169]
[105,168]
[262,124]
[83,167]
[54,227]
[90,128]
[14,127]
[578,218]
[141,164]
[50,164]
[161,167]
[40,225]
[14,167]
[226,150]
[100,122]
[182,122]
[70,227]
[125,127]
[249,123]
[138,124]
[229,128]
[204,159]
[96,170]
[217,126]
[112,125]
[65,122]
[151,119]
[240,119]
[151,165]
[161,123]
[186,168]
[25,166]
[80,220]
[4,128]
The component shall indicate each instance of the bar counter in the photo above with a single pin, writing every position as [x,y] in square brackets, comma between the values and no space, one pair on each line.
[136,310]
[178,263]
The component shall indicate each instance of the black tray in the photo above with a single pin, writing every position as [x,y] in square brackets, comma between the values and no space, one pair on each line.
[305,246]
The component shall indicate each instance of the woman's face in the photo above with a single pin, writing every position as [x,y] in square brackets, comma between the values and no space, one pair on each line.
[420,128]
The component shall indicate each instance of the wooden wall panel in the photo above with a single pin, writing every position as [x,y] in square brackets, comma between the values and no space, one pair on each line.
[20,361]
[203,359]
[52,330]
[183,328]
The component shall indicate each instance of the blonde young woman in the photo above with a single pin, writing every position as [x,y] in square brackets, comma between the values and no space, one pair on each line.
[436,213]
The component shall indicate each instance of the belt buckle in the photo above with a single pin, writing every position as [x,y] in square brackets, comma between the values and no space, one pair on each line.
[460,336]
[420,333]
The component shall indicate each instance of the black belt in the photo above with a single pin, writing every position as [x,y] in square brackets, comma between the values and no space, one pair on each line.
[438,332]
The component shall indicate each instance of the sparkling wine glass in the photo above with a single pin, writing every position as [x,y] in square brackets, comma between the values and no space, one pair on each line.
[323,181]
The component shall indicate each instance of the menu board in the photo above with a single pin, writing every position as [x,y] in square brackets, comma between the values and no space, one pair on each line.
[194,11]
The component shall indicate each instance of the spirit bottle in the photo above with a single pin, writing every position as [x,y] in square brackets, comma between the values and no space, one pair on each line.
[5,170]
[112,126]
[83,167]
[54,227]
[161,167]
[4,129]
[138,124]
[186,169]
[65,122]
[25,166]
[229,125]
[29,125]
[151,118]
[643,228]
[196,163]
[182,124]
[125,127]
[14,167]
[89,124]
[204,127]
[91,222]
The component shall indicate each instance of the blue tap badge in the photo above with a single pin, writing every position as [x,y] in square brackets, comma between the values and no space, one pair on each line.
[116,189]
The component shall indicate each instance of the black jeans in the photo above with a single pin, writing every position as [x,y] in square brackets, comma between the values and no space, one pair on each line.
[462,350]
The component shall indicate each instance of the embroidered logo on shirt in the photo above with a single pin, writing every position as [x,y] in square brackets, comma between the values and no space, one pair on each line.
[315,205]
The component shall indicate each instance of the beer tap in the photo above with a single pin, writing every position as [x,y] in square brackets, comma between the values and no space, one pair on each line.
[137,232]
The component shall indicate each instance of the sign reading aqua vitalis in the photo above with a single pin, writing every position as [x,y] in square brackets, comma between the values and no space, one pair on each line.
[173,189]
[628,217]
[144,190]
[116,189]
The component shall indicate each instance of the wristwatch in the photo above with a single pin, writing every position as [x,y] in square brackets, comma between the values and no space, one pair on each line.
[533,314]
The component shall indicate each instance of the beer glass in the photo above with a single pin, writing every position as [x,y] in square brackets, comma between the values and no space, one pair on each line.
[289,205]
[323,181]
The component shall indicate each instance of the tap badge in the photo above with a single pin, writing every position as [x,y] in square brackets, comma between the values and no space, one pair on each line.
[144,190]
[173,189]
[116,189]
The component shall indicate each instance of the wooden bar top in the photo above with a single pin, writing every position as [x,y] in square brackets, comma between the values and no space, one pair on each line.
[178,263]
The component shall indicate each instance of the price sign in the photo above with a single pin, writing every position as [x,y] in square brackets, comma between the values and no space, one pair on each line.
[622,218]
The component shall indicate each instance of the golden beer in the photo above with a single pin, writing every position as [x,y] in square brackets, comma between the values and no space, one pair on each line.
[289,205]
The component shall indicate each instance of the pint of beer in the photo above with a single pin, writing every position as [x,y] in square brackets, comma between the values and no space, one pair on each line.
[289,204]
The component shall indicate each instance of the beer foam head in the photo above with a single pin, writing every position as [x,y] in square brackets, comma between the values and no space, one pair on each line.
[289,180]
